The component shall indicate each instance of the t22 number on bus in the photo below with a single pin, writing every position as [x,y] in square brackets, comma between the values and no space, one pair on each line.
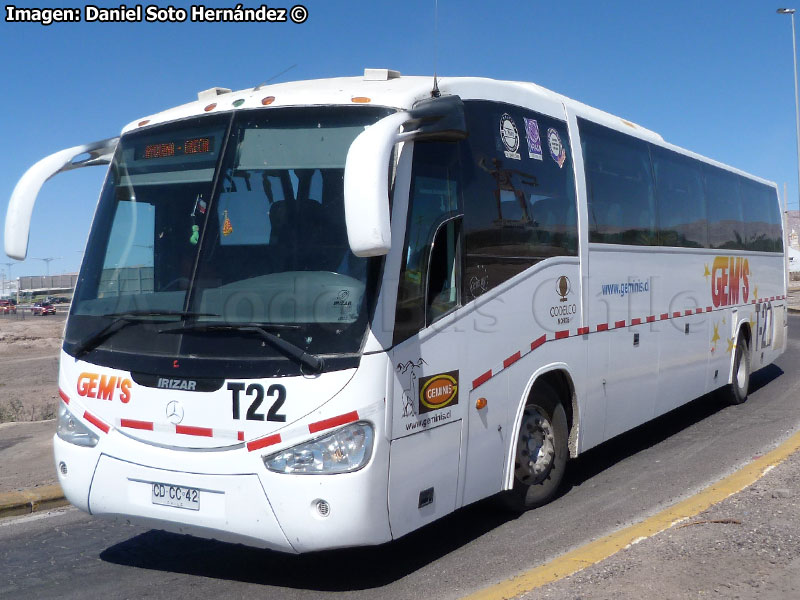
[276,393]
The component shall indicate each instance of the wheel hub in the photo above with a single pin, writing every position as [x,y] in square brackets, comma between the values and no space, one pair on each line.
[535,448]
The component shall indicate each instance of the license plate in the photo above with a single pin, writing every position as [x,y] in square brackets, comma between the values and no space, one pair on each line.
[176,495]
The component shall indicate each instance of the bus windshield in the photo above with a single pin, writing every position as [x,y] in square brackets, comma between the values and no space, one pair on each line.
[235,218]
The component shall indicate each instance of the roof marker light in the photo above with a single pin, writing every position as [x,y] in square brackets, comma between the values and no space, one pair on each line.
[143,123]
[360,99]
[210,107]
[268,100]
[238,102]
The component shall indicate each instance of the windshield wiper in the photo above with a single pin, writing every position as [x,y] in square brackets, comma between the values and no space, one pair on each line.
[315,363]
[123,319]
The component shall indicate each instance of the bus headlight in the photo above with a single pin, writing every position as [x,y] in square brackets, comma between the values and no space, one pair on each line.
[342,451]
[72,430]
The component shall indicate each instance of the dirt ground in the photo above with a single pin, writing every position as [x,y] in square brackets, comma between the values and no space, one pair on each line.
[29,349]
[746,547]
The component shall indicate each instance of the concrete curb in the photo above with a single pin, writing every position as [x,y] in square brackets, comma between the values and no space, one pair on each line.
[14,504]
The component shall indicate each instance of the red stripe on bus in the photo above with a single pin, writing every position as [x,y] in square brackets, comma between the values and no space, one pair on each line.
[602,327]
[333,422]
[198,431]
[664,316]
[538,342]
[64,397]
[687,312]
[697,311]
[709,309]
[651,318]
[133,424]
[619,323]
[240,436]
[772,299]
[583,330]
[96,422]
[560,335]
[636,321]
[482,379]
[512,359]
[676,314]
[270,440]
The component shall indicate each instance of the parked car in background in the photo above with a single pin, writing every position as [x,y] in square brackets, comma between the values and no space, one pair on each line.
[7,306]
[43,308]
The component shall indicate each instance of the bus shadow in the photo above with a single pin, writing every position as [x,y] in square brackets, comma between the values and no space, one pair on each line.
[373,567]
[607,454]
[330,571]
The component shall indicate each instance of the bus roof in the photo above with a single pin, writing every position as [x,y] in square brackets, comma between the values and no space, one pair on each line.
[385,87]
[382,87]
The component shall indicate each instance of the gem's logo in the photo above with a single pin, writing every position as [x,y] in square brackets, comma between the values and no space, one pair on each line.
[104,387]
[730,280]
[438,391]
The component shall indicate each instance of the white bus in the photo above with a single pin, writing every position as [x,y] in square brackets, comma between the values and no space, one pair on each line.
[326,313]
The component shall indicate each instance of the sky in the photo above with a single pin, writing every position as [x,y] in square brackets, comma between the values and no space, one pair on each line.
[713,76]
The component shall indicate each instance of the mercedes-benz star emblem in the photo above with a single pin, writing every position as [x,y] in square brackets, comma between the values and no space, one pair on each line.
[174,412]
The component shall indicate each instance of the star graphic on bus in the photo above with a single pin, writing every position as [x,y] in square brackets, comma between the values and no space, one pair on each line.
[707,273]
[715,338]
[755,293]
[731,346]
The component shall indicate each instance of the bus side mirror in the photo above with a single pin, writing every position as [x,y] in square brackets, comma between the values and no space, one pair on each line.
[20,207]
[366,173]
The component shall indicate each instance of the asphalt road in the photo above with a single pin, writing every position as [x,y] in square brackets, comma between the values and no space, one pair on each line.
[70,555]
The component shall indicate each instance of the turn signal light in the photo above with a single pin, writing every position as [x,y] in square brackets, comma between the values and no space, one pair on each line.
[480,403]
[268,100]
[361,99]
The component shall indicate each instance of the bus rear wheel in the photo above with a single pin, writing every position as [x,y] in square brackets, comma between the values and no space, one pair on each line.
[738,388]
[541,451]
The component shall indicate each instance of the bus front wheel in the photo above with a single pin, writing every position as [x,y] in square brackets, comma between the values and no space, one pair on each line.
[541,451]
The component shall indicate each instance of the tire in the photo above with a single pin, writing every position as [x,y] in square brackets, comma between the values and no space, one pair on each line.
[737,390]
[544,434]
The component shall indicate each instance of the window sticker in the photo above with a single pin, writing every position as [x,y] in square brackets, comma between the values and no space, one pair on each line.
[533,138]
[510,136]
[557,150]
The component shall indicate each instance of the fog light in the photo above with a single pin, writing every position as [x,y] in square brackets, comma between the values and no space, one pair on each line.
[62,466]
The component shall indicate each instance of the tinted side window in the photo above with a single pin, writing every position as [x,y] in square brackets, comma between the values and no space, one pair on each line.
[681,200]
[723,197]
[519,193]
[433,198]
[619,185]
[762,227]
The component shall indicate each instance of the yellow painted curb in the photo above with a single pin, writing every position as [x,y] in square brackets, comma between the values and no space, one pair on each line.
[13,504]
[594,552]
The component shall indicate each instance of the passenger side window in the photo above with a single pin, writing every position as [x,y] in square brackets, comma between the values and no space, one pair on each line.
[681,200]
[725,224]
[619,186]
[761,215]
[429,277]
[519,193]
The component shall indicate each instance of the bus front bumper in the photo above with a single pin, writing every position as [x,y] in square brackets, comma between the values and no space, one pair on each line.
[287,513]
